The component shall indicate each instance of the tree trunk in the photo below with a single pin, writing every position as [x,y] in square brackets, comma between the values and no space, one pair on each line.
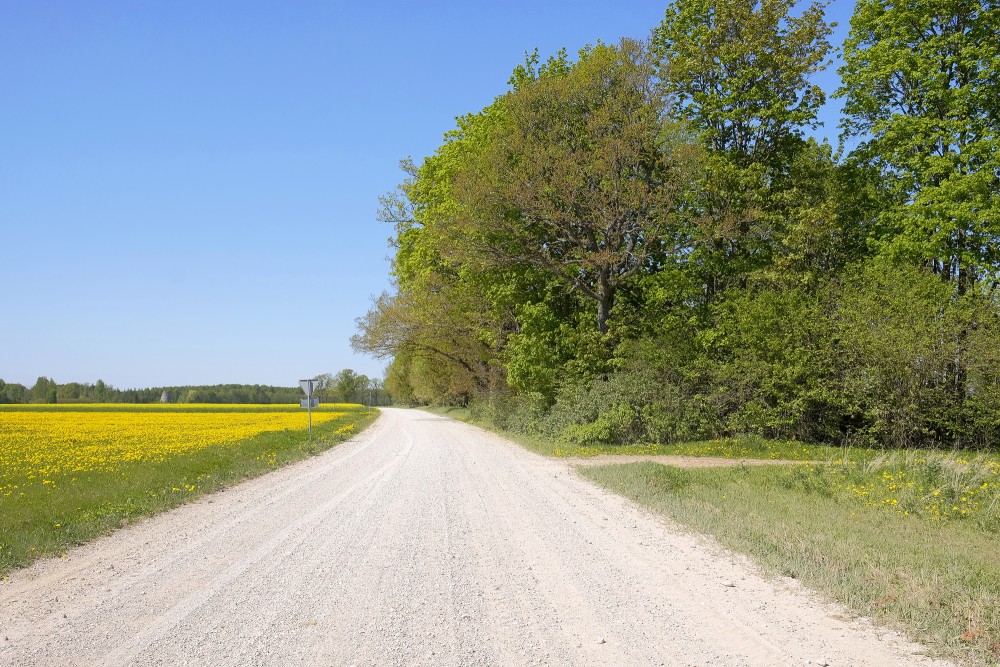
[605,301]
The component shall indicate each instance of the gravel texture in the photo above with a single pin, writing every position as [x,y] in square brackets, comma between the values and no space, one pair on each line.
[422,541]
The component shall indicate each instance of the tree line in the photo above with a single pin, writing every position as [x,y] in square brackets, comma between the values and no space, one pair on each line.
[648,241]
[347,386]
[343,387]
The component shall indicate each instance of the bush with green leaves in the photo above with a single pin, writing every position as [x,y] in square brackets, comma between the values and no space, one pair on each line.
[917,360]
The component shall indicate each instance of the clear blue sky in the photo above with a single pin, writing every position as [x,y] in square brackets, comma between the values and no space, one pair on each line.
[188,189]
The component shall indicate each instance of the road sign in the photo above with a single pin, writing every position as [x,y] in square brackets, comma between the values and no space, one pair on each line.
[309,402]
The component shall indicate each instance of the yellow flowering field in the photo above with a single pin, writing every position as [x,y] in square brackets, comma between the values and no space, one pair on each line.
[36,446]
[172,407]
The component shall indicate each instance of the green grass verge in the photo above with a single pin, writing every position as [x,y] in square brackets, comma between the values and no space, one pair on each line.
[743,447]
[836,528]
[46,521]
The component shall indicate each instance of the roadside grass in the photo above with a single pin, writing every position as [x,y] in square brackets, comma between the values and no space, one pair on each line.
[907,539]
[741,447]
[73,507]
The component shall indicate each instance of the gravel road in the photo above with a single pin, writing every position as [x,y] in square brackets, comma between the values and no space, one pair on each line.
[423,541]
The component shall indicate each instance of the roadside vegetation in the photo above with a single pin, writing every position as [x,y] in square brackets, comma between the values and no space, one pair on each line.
[69,474]
[742,447]
[906,539]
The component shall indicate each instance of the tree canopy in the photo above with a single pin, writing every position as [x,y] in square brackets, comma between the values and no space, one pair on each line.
[921,89]
[647,240]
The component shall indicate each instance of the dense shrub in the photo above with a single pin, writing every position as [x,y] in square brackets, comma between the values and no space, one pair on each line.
[880,356]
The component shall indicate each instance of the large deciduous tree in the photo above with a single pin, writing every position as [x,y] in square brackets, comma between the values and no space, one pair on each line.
[921,82]
[575,178]
[740,74]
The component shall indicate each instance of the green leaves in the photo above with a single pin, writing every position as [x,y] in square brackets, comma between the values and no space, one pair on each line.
[921,82]
[573,180]
[739,71]
[643,242]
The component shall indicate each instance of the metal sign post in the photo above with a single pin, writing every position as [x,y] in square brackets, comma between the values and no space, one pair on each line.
[309,403]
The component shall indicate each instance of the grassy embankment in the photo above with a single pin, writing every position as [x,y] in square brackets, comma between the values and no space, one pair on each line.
[60,489]
[909,539]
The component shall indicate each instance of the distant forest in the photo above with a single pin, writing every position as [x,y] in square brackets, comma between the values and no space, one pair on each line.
[343,387]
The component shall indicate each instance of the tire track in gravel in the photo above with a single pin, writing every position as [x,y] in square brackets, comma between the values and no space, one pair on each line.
[422,541]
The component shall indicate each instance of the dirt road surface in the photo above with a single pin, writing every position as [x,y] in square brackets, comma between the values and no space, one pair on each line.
[423,541]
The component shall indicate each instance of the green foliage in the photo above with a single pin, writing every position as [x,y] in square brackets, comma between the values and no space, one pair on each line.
[521,414]
[921,82]
[11,392]
[771,360]
[439,331]
[642,245]
[536,353]
[222,393]
[618,425]
[739,72]
[573,180]
[46,390]
[917,359]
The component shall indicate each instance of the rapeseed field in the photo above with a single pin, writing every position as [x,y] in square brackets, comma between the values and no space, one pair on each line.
[71,472]
[37,447]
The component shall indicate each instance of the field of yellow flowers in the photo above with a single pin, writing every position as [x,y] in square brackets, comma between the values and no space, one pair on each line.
[70,472]
[38,447]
